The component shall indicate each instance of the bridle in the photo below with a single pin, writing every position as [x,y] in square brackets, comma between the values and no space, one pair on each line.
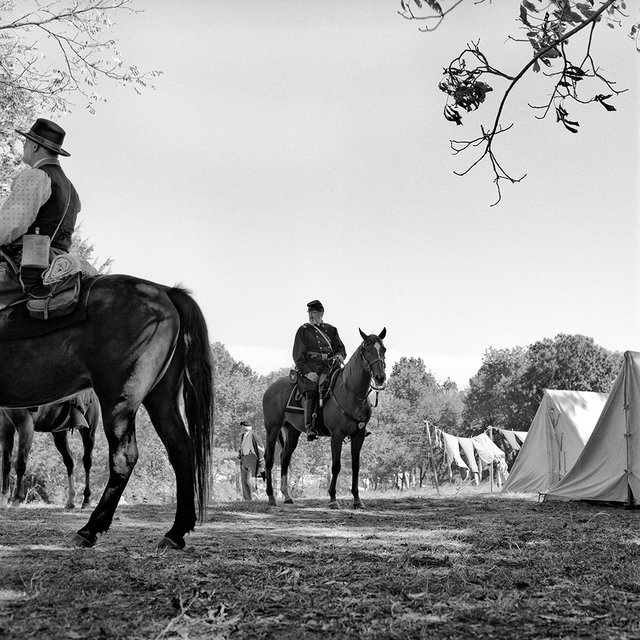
[370,364]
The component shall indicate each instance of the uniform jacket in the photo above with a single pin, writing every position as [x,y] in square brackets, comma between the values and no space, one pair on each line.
[50,213]
[309,342]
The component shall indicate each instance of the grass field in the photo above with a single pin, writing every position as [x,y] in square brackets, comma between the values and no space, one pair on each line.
[465,564]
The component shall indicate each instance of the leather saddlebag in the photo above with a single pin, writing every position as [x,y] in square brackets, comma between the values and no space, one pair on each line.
[55,300]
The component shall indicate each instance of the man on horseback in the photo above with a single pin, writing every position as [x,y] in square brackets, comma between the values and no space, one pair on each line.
[316,348]
[42,200]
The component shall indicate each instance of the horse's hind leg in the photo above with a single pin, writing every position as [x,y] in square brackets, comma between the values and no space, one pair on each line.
[61,441]
[289,441]
[164,411]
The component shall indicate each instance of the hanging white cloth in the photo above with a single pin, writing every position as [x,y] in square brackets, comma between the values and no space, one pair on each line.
[466,444]
[452,450]
[514,438]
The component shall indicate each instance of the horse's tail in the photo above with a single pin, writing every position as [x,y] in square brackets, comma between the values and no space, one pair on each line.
[197,388]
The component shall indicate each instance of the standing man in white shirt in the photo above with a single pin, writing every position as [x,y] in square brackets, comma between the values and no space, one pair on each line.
[41,197]
[251,457]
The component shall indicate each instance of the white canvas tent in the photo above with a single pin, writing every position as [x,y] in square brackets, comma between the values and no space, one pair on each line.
[609,468]
[557,435]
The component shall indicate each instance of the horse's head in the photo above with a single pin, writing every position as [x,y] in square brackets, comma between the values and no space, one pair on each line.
[373,350]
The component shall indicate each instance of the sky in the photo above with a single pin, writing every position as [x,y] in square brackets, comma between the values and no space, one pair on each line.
[293,151]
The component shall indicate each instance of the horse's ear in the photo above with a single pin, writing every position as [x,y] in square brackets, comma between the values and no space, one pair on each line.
[364,335]
[382,334]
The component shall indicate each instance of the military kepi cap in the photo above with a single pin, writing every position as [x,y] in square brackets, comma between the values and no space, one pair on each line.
[48,134]
[315,305]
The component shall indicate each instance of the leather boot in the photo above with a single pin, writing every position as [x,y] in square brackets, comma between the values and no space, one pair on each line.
[309,421]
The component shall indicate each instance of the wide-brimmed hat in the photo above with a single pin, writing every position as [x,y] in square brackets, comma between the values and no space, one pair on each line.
[48,134]
[315,305]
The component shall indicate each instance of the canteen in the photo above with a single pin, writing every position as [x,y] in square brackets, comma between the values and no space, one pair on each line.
[35,250]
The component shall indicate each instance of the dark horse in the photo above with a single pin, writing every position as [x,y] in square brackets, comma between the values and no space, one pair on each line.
[345,414]
[141,343]
[56,419]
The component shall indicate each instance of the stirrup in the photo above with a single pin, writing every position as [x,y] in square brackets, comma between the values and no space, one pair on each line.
[312,434]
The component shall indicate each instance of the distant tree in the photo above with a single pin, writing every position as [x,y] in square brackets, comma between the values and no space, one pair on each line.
[573,362]
[53,53]
[509,386]
[238,394]
[413,395]
[80,246]
[490,401]
[410,380]
[561,36]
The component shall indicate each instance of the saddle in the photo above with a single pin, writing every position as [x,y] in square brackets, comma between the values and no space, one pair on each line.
[327,382]
[55,300]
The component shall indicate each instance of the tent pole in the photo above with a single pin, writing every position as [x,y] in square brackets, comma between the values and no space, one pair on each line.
[433,464]
[490,429]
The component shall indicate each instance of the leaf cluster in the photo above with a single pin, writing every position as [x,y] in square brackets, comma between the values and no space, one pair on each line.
[52,52]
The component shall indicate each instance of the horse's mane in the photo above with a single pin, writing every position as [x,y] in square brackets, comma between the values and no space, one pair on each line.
[354,363]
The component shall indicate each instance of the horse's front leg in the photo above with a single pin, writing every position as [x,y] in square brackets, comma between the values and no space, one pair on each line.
[25,440]
[6,437]
[123,455]
[356,445]
[61,441]
[289,444]
[336,452]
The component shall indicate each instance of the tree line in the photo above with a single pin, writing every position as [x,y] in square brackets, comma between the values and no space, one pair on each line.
[505,392]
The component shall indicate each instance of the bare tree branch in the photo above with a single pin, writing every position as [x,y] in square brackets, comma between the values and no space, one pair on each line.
[548,29]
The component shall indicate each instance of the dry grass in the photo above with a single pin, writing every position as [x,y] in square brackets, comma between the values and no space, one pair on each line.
[463,564]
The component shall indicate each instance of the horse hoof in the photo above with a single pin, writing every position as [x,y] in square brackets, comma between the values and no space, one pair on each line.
[168,543]
[272,502]
[69,505]
[81,541]
[288,501]
[86,505]
[358,505]
[334,504]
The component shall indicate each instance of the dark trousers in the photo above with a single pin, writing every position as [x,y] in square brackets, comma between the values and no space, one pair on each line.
[248,482]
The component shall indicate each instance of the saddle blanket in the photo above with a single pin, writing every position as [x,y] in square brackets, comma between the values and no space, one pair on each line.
[17,324]
[294,403]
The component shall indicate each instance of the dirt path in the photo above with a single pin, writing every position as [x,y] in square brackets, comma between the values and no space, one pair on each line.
[476,565]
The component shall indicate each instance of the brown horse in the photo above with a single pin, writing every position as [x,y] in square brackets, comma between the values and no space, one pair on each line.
[137,343]
[345,414]
[57,420]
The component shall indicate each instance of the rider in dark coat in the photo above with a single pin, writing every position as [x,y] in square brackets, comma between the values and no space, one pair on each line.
[316,348]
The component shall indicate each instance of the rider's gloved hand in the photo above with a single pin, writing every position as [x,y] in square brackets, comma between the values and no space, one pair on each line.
[338,357]
[312,375]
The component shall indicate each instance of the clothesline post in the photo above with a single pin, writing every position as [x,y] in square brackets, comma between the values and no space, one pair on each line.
[490,430]
[433,464]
